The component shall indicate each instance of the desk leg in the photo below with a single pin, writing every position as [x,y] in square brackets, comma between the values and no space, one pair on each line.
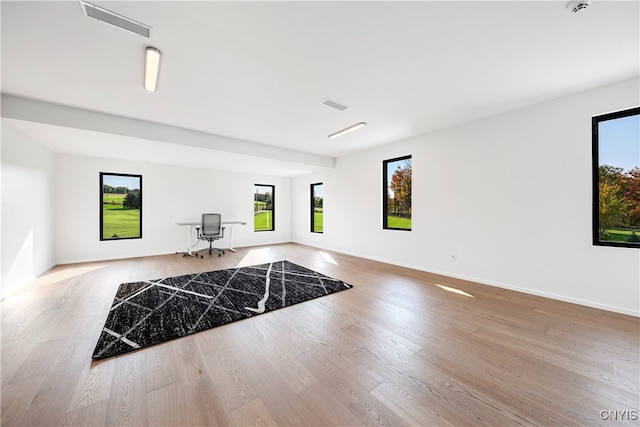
[188,253]
[231,239]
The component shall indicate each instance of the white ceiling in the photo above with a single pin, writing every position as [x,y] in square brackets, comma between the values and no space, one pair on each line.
[257,71]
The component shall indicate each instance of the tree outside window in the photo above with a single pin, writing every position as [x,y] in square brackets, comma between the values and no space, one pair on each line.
[317,208]
[263,207]
[120,206]
[616,178]
[396,186]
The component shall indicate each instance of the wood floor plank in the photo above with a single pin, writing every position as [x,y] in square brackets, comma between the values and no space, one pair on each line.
[175,410]
[17,398]
[395,350]
[317,399]
[34,362]
[94,385]
[413,409]
[236,387]
[160,367]
[495,377]
[87,416]
[68,361]
[320,329]
[290,370]
[201,394]
[253,413]
[546,370]
[277,395]
[353,392]
[128,402]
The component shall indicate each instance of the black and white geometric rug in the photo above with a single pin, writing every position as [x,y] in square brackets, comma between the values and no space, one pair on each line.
[154,311]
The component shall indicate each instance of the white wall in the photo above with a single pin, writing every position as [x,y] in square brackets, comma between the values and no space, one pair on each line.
[509,194]
[170,194]
[27,208]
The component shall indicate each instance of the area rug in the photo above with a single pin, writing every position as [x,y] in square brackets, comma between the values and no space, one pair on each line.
[150,312]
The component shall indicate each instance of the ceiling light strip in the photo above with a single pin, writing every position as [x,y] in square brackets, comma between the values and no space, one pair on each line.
[151,68]
[347,130]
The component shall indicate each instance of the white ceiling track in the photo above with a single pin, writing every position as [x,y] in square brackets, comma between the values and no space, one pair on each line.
[109,17]
[334,104]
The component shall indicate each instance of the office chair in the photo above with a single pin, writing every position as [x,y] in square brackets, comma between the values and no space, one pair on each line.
[211,229]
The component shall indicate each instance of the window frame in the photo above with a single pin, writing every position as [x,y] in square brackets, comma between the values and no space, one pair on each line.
[385,187]
[313,206]
[101,203]
[595,149]
[273,207]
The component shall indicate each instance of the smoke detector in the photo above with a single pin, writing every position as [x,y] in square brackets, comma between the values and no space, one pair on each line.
[578,6]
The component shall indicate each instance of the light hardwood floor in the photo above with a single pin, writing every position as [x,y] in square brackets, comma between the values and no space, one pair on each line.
[395,350]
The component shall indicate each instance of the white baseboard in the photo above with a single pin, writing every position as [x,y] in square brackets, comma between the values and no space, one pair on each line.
[535,292]
[557,297]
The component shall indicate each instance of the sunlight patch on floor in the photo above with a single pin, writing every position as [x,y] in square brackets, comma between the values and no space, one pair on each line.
[328,258]
[33,288]
[64,272]
[255,256]
[454,290]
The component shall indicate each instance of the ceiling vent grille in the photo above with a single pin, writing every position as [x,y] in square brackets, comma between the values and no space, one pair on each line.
[104,15]
[334,104]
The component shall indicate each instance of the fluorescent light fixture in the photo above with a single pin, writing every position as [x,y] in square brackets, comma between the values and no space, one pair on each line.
[347,130]
[151,68]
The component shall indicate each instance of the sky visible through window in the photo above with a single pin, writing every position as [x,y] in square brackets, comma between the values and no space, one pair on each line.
[620,142]
[261,189]
[130,182]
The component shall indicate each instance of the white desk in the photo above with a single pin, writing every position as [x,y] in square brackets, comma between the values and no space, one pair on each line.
[190,224]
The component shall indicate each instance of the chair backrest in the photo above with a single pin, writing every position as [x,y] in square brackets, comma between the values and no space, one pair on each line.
[211,224]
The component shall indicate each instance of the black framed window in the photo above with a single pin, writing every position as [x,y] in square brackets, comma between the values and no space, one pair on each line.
[317,208]
[264,207]
[396,193]
[616,178]
[120,206]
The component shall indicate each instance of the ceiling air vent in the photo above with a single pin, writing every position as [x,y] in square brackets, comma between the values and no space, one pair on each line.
[104,15]
[334,104]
